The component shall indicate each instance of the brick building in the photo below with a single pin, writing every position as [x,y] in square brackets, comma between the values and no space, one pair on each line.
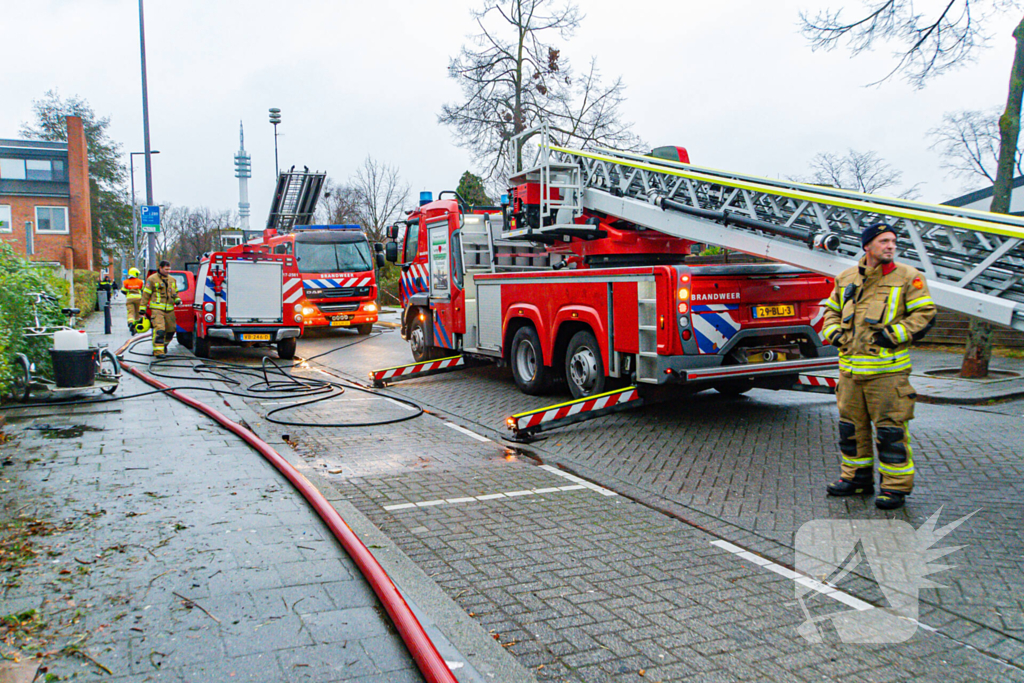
[44,198]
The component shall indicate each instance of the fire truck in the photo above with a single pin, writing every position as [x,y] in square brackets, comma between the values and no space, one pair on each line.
[585,275]
[246,297]
[604,303]
[339,285]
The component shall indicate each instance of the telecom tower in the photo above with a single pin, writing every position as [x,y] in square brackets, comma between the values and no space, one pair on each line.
[243,171]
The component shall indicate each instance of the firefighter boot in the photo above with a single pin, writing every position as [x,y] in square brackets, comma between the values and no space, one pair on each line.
[889,500]
[860,485]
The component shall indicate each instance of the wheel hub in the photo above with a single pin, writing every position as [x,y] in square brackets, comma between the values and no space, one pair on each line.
[526,361]
[583,369]
[416,339]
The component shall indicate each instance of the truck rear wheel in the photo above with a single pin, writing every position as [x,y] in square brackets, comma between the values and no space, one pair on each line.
[528,369]
[200,346]
[584,369]
[286,348]
[418,341]
[185,339]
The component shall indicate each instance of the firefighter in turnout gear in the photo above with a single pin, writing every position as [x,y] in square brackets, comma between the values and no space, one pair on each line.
[132,287]
[160,295]
[877,310]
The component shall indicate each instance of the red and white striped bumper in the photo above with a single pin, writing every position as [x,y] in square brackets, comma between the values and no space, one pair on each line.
[523,425]
[386,376]
[816,384]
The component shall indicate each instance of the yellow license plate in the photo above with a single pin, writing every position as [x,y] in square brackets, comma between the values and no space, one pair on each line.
[340,323]
[255,337]
[775,311]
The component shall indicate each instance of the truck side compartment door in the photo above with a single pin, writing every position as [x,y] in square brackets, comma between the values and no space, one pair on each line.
[439,262]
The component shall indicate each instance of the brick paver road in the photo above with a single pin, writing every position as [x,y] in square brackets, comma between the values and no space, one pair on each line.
[583,586]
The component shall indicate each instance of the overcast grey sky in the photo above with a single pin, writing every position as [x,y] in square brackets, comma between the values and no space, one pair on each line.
[731,80]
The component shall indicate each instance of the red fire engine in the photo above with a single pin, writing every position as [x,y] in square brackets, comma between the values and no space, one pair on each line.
[245,297]
[620,304]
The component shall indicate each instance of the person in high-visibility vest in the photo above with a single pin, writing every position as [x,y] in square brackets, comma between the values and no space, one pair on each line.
[132,287]
[878,308]
[160,295]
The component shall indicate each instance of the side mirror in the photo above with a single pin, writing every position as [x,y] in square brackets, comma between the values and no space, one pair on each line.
[390,252]
[380,260]
[392,232]
[378,247]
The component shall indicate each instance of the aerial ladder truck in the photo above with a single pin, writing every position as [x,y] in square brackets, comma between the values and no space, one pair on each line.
[603,295]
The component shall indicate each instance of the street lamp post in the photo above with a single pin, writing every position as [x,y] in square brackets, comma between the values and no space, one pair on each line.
[145,134]
[275,118]
[135,234]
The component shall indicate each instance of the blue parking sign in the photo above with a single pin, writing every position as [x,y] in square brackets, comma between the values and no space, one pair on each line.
[149,218]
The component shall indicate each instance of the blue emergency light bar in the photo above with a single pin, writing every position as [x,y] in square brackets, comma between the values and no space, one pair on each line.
[346,226]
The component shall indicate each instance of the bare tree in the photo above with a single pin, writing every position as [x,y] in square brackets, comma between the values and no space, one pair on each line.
[188,233]
[381,194]
[513,76]
[932,44]
[969,143]
[338,205]
[859,171]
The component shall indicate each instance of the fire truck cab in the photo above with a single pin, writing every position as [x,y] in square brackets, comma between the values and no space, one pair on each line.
[337,269]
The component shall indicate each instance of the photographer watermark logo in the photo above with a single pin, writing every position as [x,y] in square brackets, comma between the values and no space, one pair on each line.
[898,557]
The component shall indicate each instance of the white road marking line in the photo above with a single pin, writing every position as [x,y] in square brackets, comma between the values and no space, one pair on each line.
[455,501]
[796,577]
[582,482]
[400,506]
[466,432]
[400,404]
[491,496]
[429,503]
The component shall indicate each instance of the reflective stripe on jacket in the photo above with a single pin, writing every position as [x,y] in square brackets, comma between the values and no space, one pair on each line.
[159,294]
[891,299]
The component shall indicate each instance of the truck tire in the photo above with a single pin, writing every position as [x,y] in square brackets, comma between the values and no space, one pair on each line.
[185,339]
[528,369]
[584,369]
[200,346]
[418,342]
[364,330]
[286,348]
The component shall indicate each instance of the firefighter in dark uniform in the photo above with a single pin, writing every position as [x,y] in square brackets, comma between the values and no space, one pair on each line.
[160,295]
[877,310]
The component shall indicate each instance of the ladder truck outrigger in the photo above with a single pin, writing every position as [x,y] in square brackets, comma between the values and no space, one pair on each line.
[584,275]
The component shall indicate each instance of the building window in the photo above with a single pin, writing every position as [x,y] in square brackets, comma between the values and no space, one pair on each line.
[230,240]
[12,169]
[51,219]
[5,219]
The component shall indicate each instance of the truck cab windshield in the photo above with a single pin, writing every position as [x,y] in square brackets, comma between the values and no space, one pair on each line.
[326,257]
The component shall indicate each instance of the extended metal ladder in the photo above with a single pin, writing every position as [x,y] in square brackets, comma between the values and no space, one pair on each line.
[974,260]
[295,199]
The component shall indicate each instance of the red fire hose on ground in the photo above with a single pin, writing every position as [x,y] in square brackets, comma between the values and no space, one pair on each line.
[422,649]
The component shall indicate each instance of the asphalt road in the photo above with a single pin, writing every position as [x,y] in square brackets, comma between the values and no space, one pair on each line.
[638,566]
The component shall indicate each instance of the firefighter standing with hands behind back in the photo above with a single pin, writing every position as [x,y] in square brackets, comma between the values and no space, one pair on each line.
[132,287]
[877,309]
[160,295]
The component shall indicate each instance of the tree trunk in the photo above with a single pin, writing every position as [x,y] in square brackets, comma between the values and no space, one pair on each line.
[979,340]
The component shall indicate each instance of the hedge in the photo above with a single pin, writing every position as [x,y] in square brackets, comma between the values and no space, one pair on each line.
[85,291]
[19,277]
